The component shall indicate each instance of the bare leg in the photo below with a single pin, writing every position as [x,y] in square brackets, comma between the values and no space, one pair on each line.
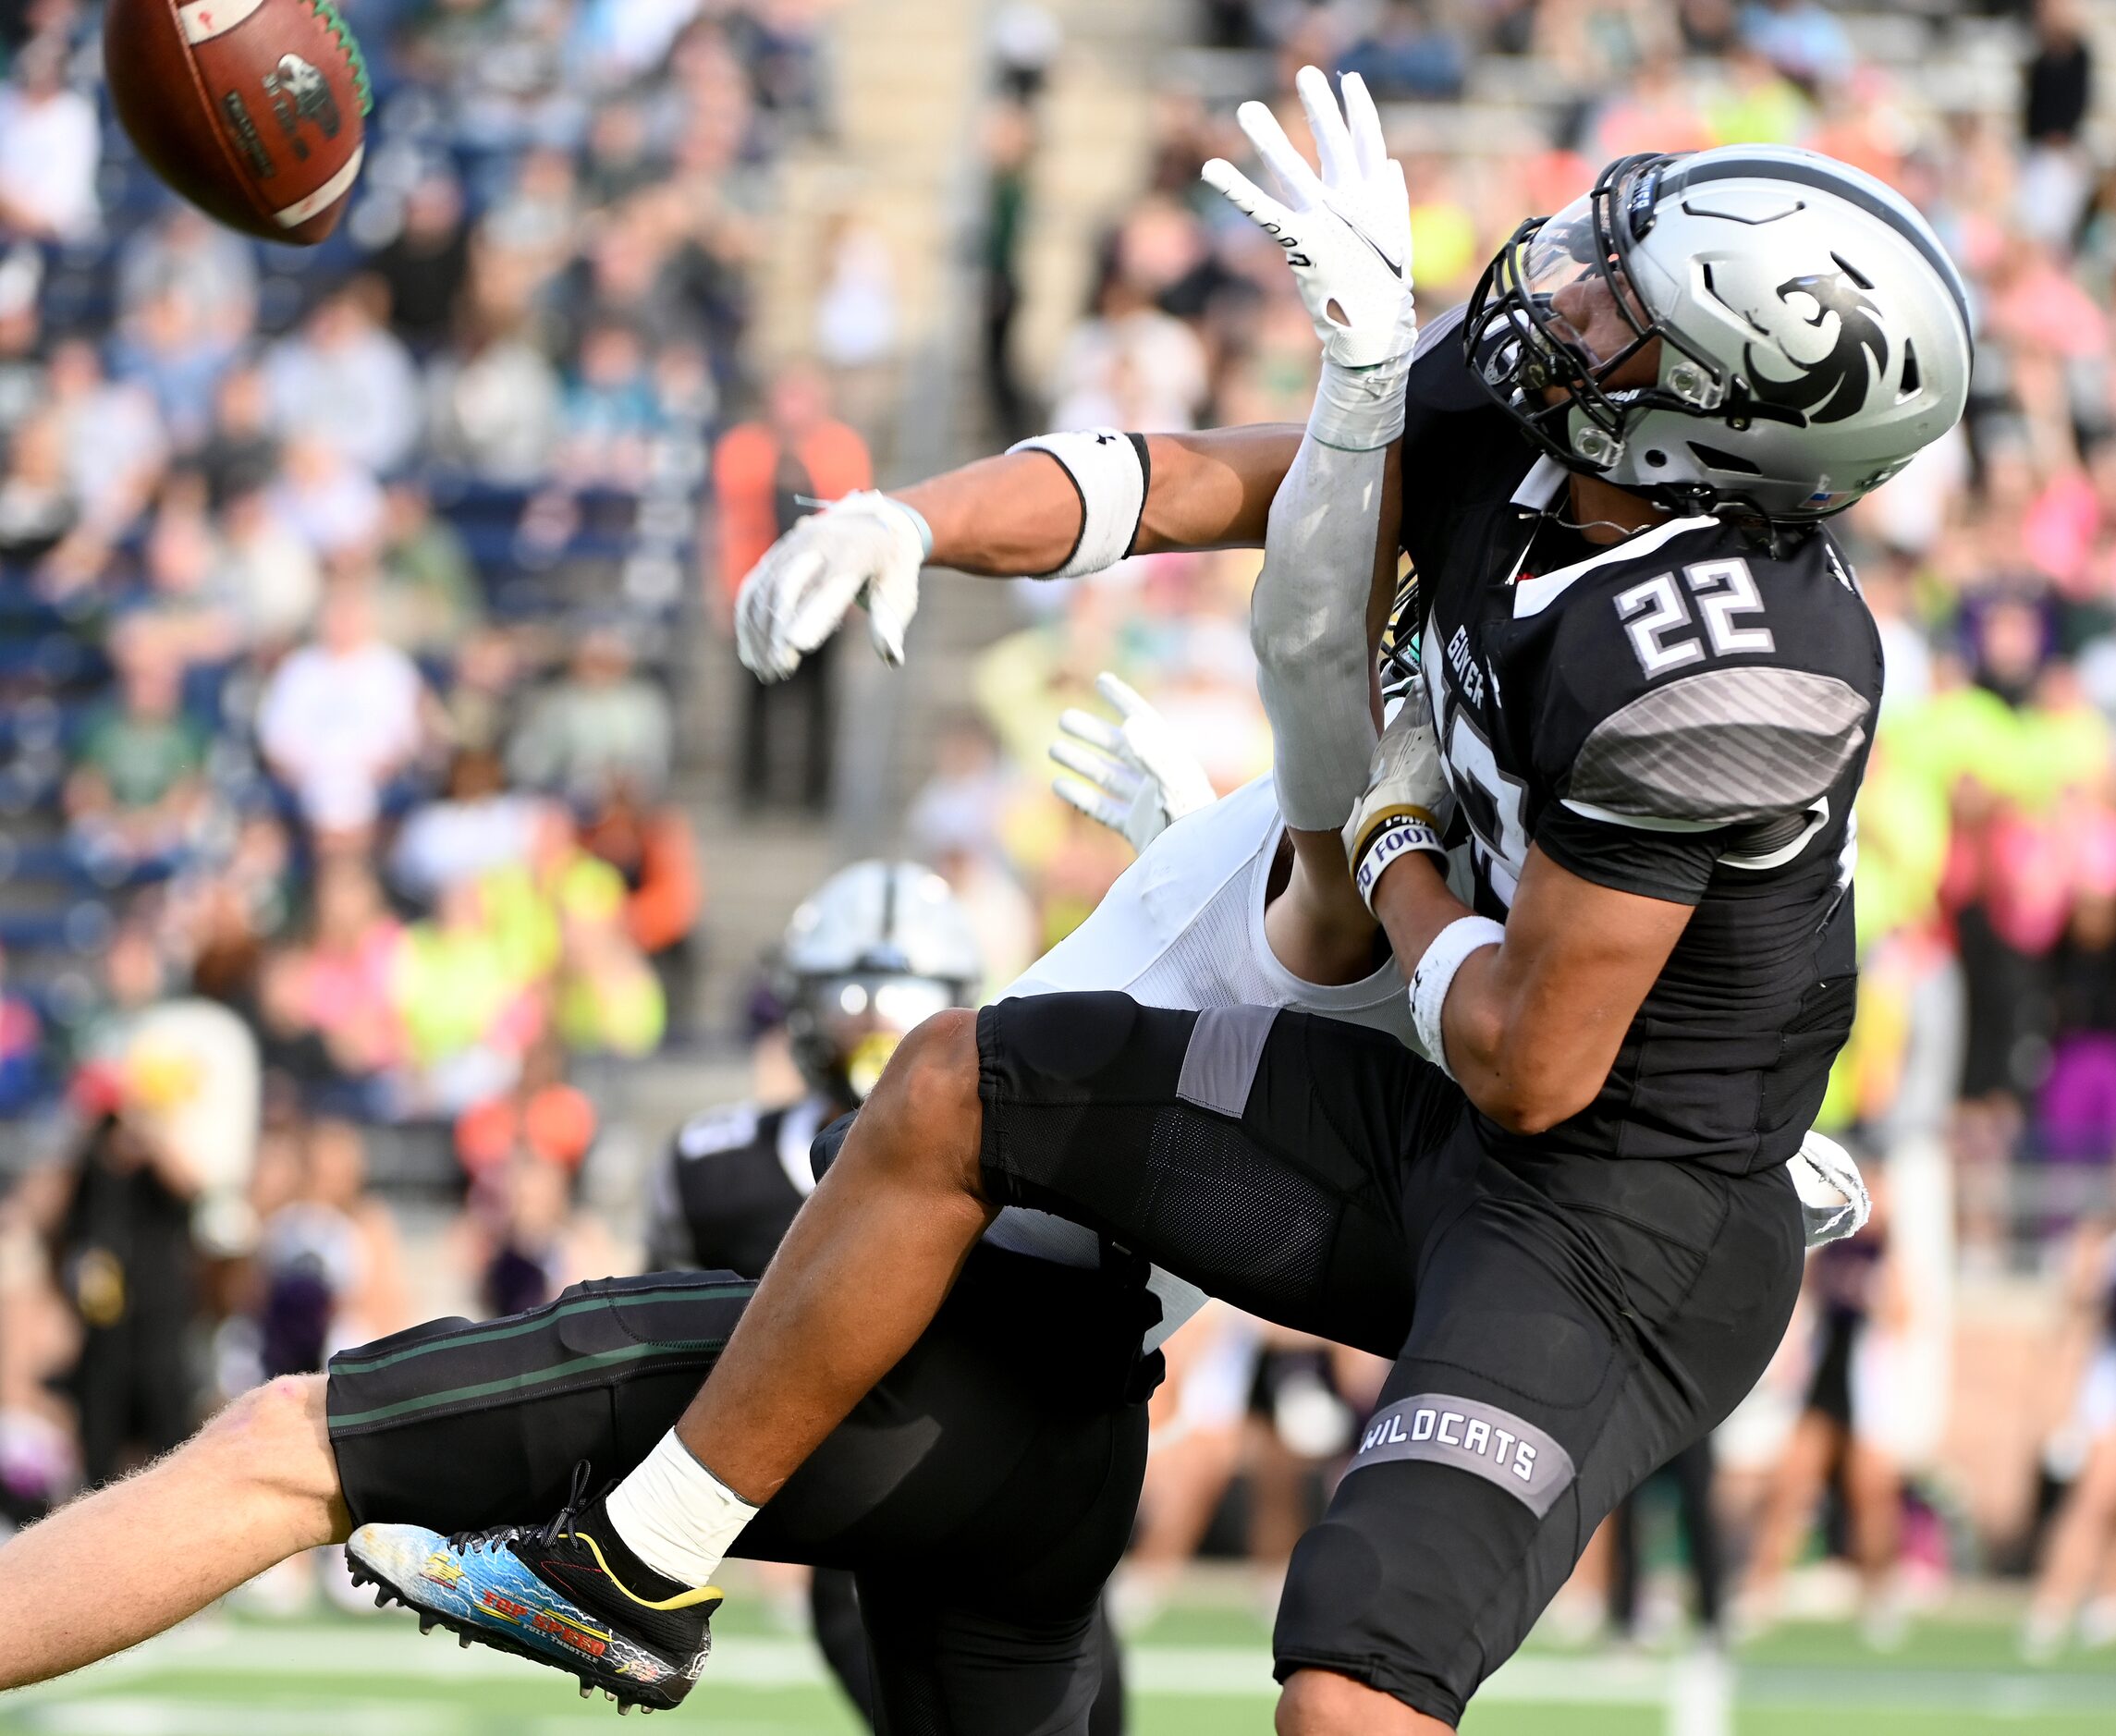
[1275,1495]
[2080,1536]
[1790,1503]
[861,1273]
[256,1485]
[1319,1703]
[1184,1483]
[1875,1496]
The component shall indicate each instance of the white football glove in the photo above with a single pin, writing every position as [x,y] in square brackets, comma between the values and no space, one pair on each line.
[1346,234]
[865,548]
[1407,805]
[1135,777]
[1833,1198]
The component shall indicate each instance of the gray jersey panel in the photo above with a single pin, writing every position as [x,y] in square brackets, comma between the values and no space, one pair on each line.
[1723,747]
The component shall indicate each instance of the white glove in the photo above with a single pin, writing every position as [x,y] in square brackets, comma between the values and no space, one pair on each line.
[1833,1198]
[1135,777]
[1347,235]
[865,548]
[1407,805]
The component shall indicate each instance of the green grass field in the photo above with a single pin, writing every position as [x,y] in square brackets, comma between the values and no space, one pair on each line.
[1202,1669]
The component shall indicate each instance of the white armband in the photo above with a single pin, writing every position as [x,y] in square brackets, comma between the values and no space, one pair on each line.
[1110,471]
[1436,975]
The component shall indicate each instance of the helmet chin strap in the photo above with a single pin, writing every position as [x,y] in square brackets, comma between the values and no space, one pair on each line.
[1586,525]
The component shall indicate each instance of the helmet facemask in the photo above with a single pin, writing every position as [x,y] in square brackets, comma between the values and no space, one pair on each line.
[875,951]
[1398,659]
[1524,349]
[845,1028]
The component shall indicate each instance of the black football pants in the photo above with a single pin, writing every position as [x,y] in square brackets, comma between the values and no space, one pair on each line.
[1559,1323]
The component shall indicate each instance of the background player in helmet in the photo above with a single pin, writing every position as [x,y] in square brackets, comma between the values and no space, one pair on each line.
[1652,682]
[877,947]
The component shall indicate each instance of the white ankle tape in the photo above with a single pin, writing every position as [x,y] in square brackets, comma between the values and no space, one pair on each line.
[1436,975]
[676,1515]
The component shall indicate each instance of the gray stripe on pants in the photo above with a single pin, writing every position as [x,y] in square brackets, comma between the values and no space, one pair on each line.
[1436,1428]
[1221,1064]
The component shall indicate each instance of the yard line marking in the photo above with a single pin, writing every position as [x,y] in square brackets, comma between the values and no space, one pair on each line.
[331,1653]
[144,1714]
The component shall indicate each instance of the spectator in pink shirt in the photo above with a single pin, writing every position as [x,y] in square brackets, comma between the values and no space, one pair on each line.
[347,990]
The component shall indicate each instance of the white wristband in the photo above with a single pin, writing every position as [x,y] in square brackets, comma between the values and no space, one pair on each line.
[1436,975]
[1110,471]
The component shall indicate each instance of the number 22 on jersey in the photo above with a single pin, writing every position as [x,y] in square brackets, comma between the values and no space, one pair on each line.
[1664,634]
[1672,623]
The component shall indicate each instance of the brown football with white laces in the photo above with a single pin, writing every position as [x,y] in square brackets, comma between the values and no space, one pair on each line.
[253,110]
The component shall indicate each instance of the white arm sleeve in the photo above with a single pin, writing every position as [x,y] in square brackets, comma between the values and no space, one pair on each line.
[1307,622]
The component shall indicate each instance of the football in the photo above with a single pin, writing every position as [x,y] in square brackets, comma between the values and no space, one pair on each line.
[253,110]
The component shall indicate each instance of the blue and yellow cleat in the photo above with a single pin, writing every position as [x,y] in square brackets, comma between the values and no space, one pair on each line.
[551,1593]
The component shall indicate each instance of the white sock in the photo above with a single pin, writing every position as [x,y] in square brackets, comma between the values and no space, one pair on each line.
[676,1515]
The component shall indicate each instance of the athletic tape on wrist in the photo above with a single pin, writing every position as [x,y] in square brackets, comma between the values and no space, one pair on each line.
[1109,470]
[1359,410]
[1436,975]
[1391,838]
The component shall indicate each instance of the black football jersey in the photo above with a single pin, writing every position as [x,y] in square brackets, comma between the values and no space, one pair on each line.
[725,1192]
[1684,714]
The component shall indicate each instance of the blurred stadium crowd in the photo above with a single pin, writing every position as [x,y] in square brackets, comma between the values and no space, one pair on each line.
[343,599]
[339,602]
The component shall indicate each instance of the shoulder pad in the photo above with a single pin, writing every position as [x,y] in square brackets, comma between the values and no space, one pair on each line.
[718,1130]
[1721,747]
[1698,682]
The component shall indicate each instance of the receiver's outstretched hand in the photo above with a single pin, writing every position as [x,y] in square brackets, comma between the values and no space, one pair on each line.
[865,548]
[1134,776]
[1347,232]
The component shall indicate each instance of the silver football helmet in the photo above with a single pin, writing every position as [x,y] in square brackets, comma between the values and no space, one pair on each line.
[1814,335]
[875,949]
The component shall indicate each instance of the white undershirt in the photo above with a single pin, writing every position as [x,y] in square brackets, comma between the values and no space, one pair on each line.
[1183,928]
